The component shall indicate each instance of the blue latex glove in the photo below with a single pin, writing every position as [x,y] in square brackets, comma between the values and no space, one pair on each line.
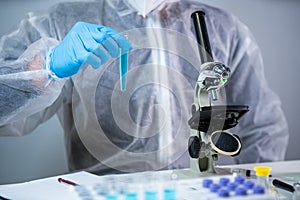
[86,44]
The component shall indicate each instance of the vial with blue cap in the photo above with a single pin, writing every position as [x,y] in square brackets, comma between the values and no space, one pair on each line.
[239,179]
[206,183]
[214,187]
[240,191]
[258,190]
[224,181]
[232,186]
[249,184]
[224,193]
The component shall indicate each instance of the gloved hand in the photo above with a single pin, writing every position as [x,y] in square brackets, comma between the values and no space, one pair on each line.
[85,44]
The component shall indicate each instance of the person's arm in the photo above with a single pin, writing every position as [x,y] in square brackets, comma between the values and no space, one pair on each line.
[26,88]
[34,65]
[263,131]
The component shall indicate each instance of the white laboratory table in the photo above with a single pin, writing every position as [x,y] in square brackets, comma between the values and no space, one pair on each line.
[50,188]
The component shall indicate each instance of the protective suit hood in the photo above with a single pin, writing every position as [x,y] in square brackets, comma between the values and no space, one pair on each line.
[144,7]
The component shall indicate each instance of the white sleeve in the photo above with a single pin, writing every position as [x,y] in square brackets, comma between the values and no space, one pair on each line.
[263,131]
[26,88]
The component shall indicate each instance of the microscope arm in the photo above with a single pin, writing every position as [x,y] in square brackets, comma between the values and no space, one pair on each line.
[208,122]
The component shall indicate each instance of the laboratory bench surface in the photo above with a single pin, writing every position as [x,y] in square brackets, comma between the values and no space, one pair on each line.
[51,188]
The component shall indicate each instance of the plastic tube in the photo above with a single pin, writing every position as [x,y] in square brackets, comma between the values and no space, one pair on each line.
[123,67]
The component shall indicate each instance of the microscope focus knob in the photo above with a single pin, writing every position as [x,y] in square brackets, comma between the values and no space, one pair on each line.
[194,146]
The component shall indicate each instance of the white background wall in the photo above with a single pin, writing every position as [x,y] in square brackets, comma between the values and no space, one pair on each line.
[275,24]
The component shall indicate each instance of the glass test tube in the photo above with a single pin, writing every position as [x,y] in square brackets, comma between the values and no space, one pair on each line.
[123,67]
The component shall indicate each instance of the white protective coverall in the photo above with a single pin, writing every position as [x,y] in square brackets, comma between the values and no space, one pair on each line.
[144,128]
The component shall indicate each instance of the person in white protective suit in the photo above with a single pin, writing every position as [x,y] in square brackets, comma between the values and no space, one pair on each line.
[66,61]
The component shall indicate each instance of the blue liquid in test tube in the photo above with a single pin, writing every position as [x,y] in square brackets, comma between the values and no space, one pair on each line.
[169,194]
[111,197]
[131,196]
[150,195]
[123,67]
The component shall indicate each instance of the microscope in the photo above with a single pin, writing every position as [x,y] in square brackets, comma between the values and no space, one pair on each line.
[209,124]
